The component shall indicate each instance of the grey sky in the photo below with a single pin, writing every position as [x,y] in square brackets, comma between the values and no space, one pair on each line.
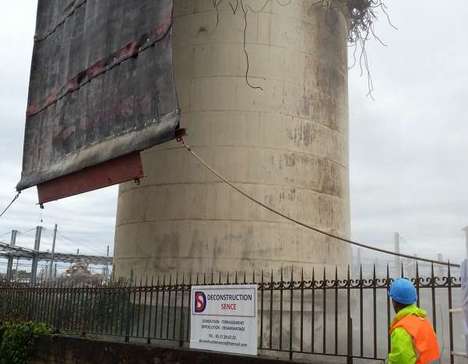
[408,148]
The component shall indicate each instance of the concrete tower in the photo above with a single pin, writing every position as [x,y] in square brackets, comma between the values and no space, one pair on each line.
[271,114]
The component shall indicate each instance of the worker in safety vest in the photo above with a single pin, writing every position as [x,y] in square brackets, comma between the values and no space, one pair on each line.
[413,338]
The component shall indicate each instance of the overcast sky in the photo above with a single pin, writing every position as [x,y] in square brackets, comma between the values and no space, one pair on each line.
[408,147]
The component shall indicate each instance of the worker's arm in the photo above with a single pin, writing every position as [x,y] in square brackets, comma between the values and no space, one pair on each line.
[402,348]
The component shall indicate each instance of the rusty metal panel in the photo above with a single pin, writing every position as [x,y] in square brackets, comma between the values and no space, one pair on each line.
[101,85]
[118,170]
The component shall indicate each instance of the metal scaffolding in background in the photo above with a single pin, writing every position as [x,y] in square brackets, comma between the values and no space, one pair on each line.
[12,250]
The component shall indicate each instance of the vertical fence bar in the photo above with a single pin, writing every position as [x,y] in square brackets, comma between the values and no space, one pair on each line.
[150,318]
[450,304]
[189,308]
[33,304]
[302,313]
[58,316]
[114,324]
[262,291]
[336,310]
[99,312]
[349,359]
[113,311]
[25,303]
[281,311]
[312,313]
[349,320]
[176,294]
[81,322]
[291,313]
[168,316]
[388,308]
[128,312]
[361,312]
[418,284]
[145,303]
[9,297]
[271,310]
[324,312]
[134,308]
[156,309]
[71,308]
[81,314]
[21,303]
[112,305]
[433,297]
[162,307]
[95,319]
[105,307]
[51,302]
[121,295]
[66,314]
[93,307]
[181,327]
[81,305]
[374,296]
[75,311]
[29,304]
[138,308]
[43,302]
[12,301]
[14,306]
[89,306]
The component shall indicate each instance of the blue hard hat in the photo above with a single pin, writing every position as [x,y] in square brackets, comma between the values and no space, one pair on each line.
[403,291]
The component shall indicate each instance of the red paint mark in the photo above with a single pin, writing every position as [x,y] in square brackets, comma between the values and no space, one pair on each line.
[119,170]
[131,49]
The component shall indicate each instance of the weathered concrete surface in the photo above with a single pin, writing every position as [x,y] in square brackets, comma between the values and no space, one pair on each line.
[286,145]
[68,350]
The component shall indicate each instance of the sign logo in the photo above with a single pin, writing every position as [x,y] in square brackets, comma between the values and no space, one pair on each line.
[200,302]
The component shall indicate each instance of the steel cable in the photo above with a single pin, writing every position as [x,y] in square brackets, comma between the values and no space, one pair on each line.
[10,204]
[300,223]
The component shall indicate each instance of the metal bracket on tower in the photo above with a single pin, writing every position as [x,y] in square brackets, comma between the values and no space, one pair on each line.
[180,133]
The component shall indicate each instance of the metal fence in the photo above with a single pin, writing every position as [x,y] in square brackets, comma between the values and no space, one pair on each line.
[345,315]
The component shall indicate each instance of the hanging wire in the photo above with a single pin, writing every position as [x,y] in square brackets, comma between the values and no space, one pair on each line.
[300,223]
[10,204]
[81,243]
[27,231]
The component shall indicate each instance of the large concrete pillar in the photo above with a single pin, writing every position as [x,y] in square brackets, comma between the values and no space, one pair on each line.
[286,144]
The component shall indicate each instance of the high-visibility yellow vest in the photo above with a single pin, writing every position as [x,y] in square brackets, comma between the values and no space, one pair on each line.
[424,337]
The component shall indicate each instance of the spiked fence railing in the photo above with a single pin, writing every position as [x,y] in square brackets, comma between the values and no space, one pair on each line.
[347,315]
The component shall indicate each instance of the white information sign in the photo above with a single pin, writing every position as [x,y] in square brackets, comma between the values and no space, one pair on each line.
[224,318]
